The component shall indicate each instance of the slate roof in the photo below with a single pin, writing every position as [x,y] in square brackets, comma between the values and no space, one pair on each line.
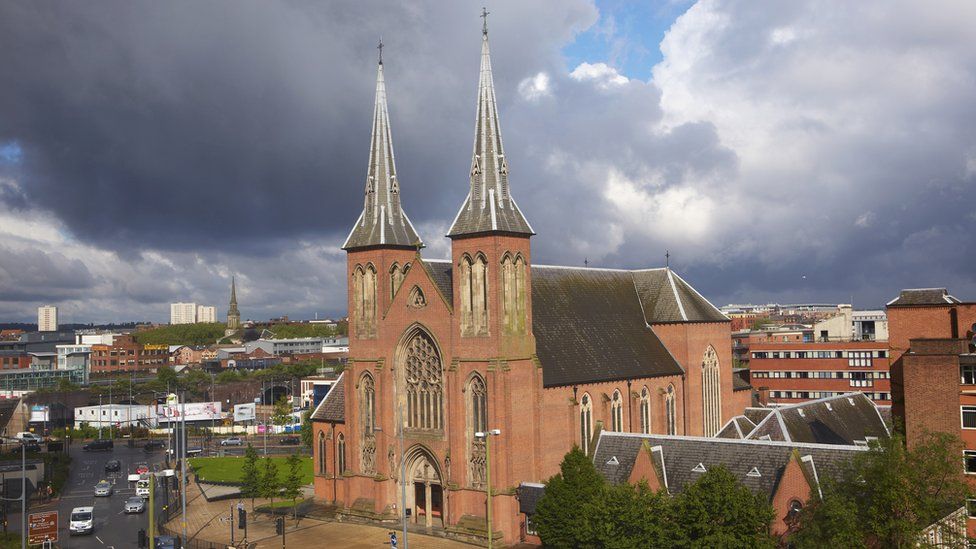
[333,406]
[755,414]
[529,494]
[440,272]
[923,296]
[681,455]
[844,419]
[666,297]
[740,379]
[737,427]
[590,327]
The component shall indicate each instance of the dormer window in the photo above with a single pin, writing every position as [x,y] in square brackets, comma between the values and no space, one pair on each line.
[754,473]
[700,468]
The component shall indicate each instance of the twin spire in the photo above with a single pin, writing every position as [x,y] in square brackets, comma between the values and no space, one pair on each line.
[488,208]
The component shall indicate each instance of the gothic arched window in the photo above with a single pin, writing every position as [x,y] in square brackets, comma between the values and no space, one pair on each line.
[323,452]
[586,423]
[424,380]
[711,392]
[616,412]
[645,411]
[364,300]
[367,411]
[397,274]
[477,393]
[474,295]
[520,294]
[513,293]
[341,465]
[670,411]
[357,301]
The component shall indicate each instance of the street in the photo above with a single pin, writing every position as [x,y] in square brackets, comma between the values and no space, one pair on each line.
[113,528]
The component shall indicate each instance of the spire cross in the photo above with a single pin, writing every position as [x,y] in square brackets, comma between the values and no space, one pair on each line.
[380,47]
[667,258]
[484,17]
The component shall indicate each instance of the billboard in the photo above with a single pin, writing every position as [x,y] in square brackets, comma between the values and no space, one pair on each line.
[195,411]
[245,412]
[40,413]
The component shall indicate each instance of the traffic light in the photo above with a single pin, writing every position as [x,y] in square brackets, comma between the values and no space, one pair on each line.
[241,518]
[280,526]
[142,539]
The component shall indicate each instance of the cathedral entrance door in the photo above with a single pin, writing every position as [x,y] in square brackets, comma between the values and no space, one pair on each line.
[425,484]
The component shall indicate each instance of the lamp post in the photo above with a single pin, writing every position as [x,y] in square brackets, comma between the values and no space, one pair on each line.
[487,436]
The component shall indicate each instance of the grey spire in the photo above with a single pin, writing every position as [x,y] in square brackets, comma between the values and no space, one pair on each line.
[382,222]
[489,206]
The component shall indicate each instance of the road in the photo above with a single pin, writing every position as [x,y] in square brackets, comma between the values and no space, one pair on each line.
[113,528]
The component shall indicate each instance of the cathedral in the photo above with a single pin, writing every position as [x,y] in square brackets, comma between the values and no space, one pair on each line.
[537,358]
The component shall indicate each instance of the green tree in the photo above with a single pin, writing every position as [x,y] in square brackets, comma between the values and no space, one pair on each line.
[250,476]
[831,522]
[270,484]
[292,487]
[718,511]
[65,385]
[307,429]
[282,412]
[563,514]
[632,517]
[166,376]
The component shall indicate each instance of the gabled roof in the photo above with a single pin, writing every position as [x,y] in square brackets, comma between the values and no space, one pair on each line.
[850,418]
[682,455]
[440,272]
[666,297]
[333,406]
[740,379]
[755,414]
[737,427]
[923,296]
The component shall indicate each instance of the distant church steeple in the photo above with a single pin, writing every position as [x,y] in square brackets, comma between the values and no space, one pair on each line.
[382,222]
[233,315]
[489,207]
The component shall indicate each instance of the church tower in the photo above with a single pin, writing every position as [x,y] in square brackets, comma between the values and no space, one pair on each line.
[233,315]
[490,242]
[383,242]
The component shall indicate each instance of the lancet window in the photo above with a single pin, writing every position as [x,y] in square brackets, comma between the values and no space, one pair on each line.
[424,380]
[474,295]
[477,393]
[711,392]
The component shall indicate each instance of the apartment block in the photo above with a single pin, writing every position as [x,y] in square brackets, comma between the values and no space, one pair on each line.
[47,318]
[125,354]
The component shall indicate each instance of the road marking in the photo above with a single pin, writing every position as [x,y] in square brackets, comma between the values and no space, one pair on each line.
[100,540]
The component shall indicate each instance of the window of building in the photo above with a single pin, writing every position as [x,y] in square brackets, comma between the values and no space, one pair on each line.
[341,466]
[397,274]
[669,406]
[645,411]
[586,422]
[971,508]
[424,379]
[323,452]
[616,412]
[473,275]
[477,399]
[364,300]
[760,354]
[968,417]
[367,410]
[711,392]
[968,372]
[530,528]
[969,461]
[513,293]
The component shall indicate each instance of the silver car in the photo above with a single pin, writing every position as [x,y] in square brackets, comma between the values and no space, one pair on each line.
[135,505]
[103,489]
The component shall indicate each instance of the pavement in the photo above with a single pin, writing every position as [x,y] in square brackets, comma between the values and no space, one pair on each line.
[209,521]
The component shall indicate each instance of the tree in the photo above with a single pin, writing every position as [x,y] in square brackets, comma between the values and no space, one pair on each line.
[307,437]
[282,412]
[293,481]
[831,522]
[167,376]
[718,511]
[250,476]
[270,485]
[892,493]
[562,515]
[632,517]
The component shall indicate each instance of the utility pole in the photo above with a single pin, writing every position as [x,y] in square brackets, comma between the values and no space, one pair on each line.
[487,436]
[183,466]
[403,475]
[152,512]
[23,494]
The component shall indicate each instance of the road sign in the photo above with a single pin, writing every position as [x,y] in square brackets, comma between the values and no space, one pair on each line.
[393,540]
[42,527]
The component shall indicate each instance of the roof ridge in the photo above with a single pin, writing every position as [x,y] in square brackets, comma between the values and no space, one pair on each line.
[811,445]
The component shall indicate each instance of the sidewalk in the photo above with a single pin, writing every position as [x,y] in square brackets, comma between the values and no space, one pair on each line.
[203,523]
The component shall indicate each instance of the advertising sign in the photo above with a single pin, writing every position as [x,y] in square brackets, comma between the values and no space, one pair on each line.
[40,413]
[42,527]
[245,412]
[195,411]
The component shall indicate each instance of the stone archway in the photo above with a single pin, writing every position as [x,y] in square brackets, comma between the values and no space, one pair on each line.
[425,494]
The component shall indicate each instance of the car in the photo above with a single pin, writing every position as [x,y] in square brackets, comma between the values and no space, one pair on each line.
[153,445]
[32,447]
[134,504]
[142,468]
[30,437]
[113,466]
[98,444]
[165,542]
[104,489]
[232,441]
[81,521]
[142,487]
[291,441]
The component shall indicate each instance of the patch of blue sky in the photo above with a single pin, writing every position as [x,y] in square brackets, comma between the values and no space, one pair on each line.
[11,153]
[627,36]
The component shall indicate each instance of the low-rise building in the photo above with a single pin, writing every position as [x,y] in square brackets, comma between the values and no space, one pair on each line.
[75,357]
[314,389]
[116,415]
[125,354]
[294,346]
[32,379]
[14,360]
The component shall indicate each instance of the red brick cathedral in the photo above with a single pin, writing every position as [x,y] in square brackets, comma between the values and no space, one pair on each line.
[442,349]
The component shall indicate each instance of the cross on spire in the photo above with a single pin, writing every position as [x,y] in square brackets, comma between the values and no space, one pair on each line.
[380,47]
[667,258]
[484,18]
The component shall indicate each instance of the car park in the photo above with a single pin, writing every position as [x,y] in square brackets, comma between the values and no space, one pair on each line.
[113,466]
[81,520]
[232,441]
[134,504]
[103,489]
[99,444]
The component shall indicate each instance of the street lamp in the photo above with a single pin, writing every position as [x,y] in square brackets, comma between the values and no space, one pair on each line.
[487,436]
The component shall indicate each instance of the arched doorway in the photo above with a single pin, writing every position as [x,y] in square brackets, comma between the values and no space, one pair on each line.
[425,495]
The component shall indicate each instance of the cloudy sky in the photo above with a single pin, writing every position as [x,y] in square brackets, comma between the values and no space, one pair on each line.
[782,151]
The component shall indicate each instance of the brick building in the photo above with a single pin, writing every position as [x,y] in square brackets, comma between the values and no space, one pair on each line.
[14,360]
[487,340]
[125,354]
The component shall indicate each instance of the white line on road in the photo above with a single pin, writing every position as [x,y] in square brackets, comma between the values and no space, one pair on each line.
[100,540]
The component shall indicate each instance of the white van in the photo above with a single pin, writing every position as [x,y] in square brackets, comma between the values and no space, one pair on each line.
[82,520]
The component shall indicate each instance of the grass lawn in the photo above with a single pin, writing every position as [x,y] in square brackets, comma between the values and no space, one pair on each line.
[228,469]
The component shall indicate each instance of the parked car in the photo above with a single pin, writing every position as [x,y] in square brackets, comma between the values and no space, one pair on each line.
[232,441]
[103,489]
[291,441]
[113,465]
[99,444]
[134,504]
[81,521]
[165,542]
[142,468]
[153,445]
[30,437]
